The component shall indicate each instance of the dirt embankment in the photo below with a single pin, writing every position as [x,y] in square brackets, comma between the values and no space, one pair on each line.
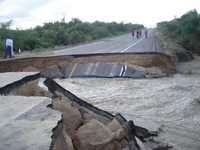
[162,61]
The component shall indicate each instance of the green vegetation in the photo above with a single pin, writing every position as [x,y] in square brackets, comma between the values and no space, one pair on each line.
[62,33]
[184,31]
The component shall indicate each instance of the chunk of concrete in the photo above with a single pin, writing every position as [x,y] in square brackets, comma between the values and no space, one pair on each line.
[71,116]
[114,125]
[97,70]
[10,77]
[26,123]
[94,135]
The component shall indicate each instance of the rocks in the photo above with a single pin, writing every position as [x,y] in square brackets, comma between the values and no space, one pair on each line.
[72,120]
[63,142]
[114,125]
[100,131]
[68,141]
[93,135]
[86,133]
[71,116]
[118,131]
[84,126]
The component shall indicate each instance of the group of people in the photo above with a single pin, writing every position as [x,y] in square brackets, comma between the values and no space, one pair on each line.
[137,34]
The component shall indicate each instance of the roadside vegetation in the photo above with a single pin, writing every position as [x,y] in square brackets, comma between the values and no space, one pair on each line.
[61,33]
[182,32]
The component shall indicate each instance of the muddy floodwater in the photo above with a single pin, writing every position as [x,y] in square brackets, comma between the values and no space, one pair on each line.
[170,105]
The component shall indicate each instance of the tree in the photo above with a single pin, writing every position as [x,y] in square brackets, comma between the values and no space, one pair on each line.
[62,33]
[6,25]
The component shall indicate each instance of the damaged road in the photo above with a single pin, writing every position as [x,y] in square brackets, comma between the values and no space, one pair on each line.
[103,129]
[98,65]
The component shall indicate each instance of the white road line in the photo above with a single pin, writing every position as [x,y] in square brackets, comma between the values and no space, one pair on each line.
[125,69]
[122,69]
[73,70]
[131,45]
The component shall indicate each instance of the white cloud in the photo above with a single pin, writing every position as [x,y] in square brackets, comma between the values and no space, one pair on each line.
[28,13]
[19,10]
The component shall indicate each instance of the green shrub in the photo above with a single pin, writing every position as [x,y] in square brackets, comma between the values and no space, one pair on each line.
[61,33]
[184,30]
[1,48]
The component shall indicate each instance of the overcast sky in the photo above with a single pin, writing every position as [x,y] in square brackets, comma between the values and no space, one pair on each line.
[29,13]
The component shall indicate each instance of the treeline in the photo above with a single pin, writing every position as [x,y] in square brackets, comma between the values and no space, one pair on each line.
[184,30]
[62,33]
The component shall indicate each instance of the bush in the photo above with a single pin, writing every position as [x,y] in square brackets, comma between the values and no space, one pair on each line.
[61,33]
[184,30]
[1,48]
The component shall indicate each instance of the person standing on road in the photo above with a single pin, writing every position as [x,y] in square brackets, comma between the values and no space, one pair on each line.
[146,33]
[133,34]
[8,48]
[138,34]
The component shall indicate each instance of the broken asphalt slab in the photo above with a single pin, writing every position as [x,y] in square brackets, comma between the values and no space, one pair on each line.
[26,123]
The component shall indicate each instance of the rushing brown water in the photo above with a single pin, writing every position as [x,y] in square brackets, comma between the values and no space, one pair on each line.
[170,105]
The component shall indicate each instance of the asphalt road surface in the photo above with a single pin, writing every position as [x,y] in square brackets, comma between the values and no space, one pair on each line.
[123,43]
[120,44]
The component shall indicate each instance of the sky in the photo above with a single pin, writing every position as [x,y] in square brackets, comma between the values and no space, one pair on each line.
[29,13]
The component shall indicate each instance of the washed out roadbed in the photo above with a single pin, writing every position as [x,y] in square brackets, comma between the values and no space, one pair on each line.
[25,117]
[170,105]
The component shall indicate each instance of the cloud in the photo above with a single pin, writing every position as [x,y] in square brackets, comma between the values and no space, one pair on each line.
[29,13]
[15,9]
[1,1]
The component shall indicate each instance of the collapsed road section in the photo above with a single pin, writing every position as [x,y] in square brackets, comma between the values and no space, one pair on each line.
[134,65]
[82,126]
